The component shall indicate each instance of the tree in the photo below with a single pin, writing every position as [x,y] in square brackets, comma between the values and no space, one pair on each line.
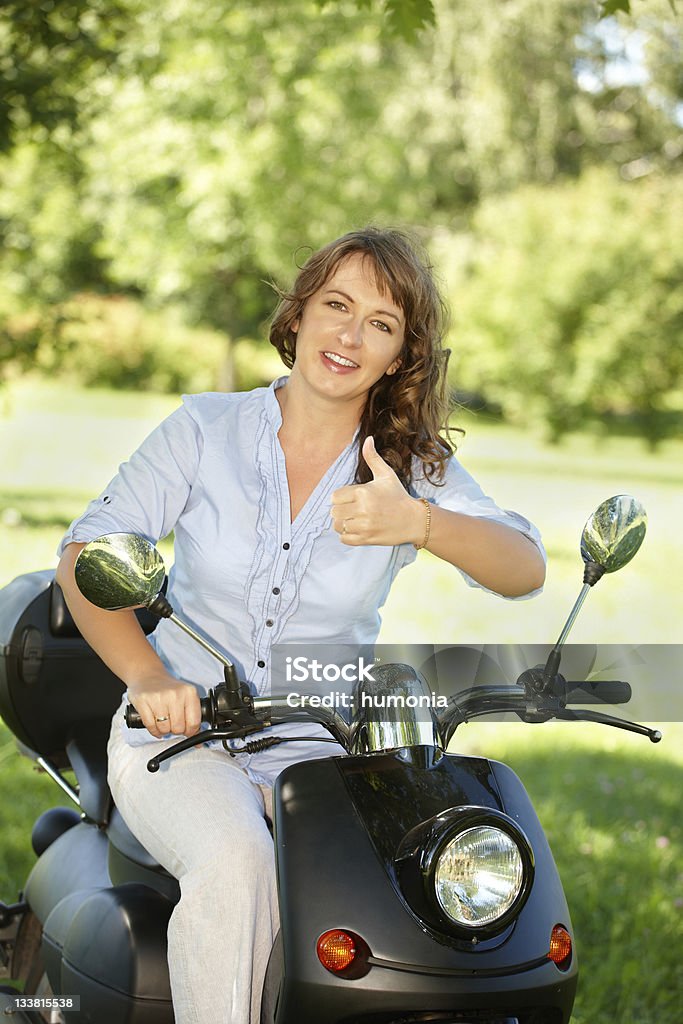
[569,310]
[54,51]
[211,140]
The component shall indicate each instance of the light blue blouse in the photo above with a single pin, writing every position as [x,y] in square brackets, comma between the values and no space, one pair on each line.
[244,575]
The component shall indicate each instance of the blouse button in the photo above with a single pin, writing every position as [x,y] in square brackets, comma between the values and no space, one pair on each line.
[261,664]
[276,590]
[269,622]
[285,546]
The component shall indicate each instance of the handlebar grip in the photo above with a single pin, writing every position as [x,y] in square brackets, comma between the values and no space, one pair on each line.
[134,721]
[132,718]
[602,691]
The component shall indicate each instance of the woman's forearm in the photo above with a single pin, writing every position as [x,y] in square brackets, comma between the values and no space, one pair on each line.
[497,556]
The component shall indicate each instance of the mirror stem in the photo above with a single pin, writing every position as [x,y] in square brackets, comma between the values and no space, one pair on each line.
[591,574]
[585,590]
[200,640]
[552,665]
[161,607]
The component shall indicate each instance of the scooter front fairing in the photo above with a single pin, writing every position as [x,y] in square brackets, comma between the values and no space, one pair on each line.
[340,824]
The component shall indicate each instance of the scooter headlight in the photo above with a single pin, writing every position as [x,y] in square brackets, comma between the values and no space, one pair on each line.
[478,876]
[467,871]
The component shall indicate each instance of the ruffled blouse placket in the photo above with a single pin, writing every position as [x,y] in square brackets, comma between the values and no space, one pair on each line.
[283,549]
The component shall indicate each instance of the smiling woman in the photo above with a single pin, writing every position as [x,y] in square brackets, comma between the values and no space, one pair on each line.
[333,477]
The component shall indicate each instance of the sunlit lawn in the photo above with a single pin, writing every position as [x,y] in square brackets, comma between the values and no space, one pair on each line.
[609,802]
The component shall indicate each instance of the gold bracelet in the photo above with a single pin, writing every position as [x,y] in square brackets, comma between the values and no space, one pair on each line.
[428,527]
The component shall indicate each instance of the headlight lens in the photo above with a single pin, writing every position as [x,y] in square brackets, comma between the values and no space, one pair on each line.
[478,876]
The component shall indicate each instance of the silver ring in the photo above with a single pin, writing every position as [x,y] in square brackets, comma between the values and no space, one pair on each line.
[164,718]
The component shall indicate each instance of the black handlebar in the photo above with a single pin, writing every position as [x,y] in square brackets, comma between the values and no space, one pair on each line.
[602,691]
[606,691]
[537,684]
[134,721]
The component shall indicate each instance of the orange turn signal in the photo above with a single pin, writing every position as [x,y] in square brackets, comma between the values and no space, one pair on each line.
[336,950]
[560,951]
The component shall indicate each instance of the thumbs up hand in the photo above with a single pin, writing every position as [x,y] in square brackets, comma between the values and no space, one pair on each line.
[380,511]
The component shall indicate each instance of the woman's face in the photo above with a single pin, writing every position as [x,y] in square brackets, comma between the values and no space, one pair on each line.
[349,334]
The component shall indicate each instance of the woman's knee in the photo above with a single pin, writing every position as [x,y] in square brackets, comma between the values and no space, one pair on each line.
[229,881]
[247,851]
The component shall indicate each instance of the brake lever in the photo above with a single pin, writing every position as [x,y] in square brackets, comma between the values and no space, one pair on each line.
[230,713]
[233,730]
[654,735]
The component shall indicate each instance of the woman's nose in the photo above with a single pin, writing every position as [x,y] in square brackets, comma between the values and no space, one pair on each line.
[351,333]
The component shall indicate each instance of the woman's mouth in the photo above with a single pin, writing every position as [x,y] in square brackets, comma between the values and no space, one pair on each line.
[337,363]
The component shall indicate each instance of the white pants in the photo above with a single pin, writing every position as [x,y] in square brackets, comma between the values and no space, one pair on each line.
[203,819]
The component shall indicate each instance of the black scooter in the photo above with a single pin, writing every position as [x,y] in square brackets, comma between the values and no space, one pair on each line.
[431,894]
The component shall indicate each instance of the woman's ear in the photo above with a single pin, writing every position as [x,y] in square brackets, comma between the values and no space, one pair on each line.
[394,367]
[295,325]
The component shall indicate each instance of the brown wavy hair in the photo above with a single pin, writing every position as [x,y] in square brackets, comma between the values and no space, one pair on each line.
[407,411]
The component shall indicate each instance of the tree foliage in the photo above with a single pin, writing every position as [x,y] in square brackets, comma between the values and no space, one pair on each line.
[53,53]
[610,7]
[182,153]
[570,307]
[56,50]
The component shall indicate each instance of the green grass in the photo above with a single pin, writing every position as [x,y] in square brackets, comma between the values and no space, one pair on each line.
[610,803]
[610,807]
[26,792]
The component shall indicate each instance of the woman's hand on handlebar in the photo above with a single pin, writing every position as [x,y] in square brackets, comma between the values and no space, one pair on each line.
[166,705]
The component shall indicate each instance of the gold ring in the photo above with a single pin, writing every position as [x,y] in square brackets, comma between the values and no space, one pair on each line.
[164,718]
[344,527]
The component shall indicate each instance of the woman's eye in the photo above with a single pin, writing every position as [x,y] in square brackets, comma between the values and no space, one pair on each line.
[382,326]
[336,304]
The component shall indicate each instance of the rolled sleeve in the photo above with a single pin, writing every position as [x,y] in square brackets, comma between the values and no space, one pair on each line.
[461,493]
[150,491]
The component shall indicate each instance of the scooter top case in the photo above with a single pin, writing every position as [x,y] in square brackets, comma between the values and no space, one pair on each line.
[51,681]
[104,908]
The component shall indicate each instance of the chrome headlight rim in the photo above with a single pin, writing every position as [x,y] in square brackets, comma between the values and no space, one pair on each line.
[456,824]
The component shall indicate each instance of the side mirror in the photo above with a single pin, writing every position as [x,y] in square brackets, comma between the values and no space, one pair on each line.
[120,570]
[609,540]
[614,533]
[123,570]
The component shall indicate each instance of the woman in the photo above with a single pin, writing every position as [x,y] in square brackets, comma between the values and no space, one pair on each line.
[293,507]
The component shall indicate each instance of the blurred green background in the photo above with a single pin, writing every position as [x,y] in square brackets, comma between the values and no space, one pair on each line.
[162,165]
